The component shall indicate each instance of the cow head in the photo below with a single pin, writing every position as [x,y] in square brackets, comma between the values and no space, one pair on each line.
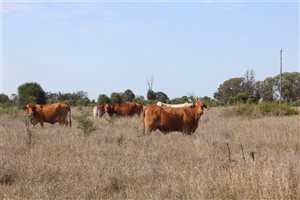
[199,105]
[32,111]
[109,109]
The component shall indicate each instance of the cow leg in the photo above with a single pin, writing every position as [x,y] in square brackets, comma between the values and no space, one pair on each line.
[66,122]
[42,124]
[147,130]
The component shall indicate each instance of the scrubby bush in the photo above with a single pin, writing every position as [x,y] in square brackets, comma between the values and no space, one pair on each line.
[276,109]
[6,109]
[245,110]
[85,124]
[263,109]
[295,103]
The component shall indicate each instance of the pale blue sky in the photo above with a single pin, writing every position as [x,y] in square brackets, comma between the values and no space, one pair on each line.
[110,47]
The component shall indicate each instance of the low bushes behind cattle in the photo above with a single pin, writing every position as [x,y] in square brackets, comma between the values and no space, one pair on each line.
[260,110]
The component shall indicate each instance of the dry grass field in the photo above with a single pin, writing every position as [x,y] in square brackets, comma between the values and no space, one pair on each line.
[227,158]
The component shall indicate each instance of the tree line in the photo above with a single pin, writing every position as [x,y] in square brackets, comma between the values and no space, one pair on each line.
[246,90]
[235,90]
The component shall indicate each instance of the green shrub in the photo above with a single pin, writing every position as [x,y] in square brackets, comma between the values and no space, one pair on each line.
[85,124]
[6,109]
[264,109]
[245,109]
[296,103]
[276,109]
[288,110]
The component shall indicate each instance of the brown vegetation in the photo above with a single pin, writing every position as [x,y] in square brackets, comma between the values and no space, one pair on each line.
[226,158]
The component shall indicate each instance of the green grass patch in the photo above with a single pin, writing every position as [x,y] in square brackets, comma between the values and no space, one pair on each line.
[4,109]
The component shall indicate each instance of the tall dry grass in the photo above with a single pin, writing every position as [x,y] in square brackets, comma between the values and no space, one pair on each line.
[117,162]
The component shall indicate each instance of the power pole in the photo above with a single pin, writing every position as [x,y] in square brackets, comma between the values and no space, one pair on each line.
[280,76]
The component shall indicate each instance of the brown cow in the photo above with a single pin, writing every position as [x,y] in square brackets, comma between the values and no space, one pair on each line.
[124,109]
[167,119]
[49,113]
[98,111]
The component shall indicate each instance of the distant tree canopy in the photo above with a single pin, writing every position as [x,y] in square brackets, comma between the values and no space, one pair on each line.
[265,89]
[74,99]
[115,98]
[151,95]
[246,89]
[158,96]
[103,99]
[30,93]
[128,95]
[290,86]
[234,90]
[4,99]
[229,88]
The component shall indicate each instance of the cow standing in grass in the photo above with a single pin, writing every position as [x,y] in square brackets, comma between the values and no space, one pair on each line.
[98,111]
[49,113]
[124,109]
[168,119]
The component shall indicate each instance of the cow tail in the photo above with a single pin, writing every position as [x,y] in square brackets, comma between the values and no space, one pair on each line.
[143,118]
[70,117]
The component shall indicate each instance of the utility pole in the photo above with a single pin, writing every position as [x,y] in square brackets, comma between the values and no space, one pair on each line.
[280,75]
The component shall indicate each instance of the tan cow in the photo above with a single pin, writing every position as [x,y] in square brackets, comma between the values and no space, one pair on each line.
[49,113]
[98,111]
[168,119]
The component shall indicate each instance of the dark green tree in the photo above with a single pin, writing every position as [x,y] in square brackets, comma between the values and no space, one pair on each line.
[151,95]
[103,99]
[290,86]
[229,88]
[30,93]
[115,98]
[266,89]
[249,83]
[128,95]
[160,96]
[4,99]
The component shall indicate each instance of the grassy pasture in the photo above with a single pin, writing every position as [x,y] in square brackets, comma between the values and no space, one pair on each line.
[227,158]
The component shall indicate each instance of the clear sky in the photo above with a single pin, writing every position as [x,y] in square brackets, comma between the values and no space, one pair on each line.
[104,47]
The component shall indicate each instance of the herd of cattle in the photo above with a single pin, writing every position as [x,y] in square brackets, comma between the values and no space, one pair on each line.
[164,117]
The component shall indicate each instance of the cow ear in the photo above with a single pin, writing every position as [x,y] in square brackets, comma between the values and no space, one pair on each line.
[25,107]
